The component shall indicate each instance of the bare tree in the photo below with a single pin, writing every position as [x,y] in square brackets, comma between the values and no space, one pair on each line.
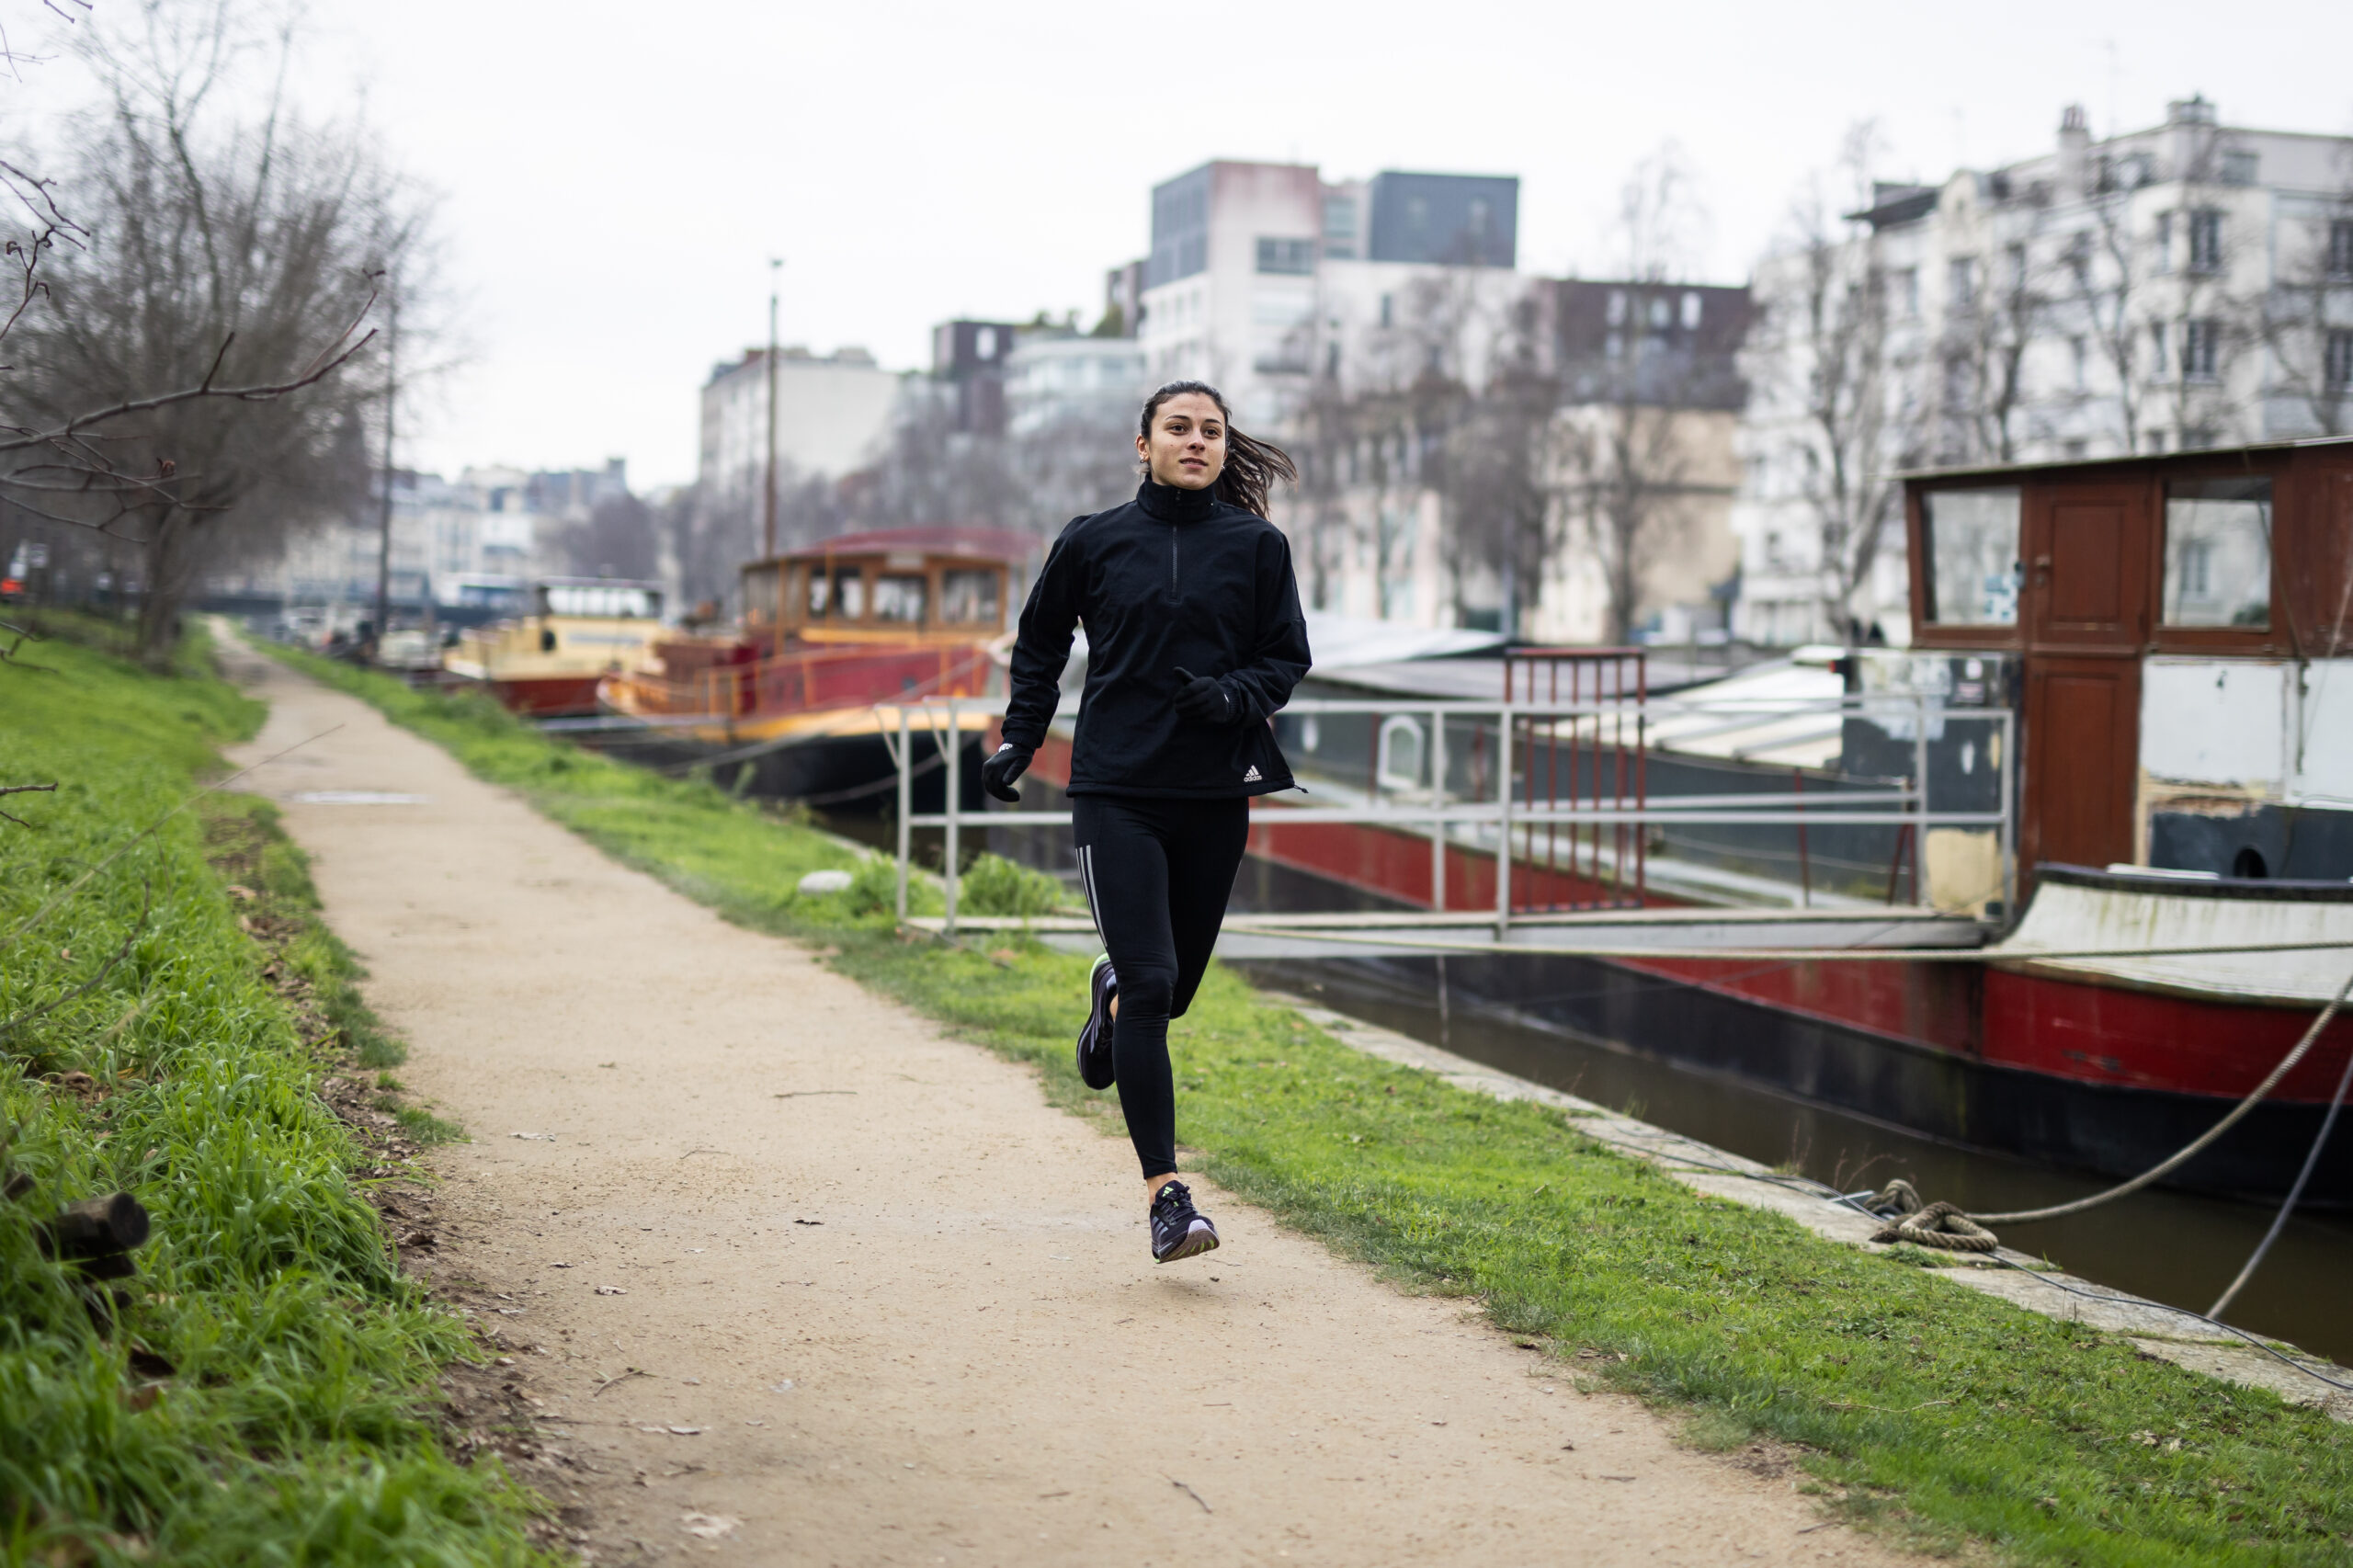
[1079,461]
[1626,449]
[616,538]
[1822,342]
[229,265]
[1980,358]
[1497,473]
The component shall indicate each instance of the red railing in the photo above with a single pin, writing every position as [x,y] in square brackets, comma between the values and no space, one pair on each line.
[1598,760]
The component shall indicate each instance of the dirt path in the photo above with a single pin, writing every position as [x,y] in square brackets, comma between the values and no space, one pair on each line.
[886,1305]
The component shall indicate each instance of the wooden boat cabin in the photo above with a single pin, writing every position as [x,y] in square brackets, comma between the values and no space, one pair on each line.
[912,585]
[2176,635]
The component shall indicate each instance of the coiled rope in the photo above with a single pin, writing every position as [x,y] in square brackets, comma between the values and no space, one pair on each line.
[1940,1225]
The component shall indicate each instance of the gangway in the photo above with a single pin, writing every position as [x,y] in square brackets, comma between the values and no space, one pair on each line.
[1512,813]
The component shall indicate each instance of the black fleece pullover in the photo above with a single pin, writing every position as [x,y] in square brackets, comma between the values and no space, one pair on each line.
[1175,577]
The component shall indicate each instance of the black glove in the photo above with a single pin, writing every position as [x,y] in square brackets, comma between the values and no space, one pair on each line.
[999,771]
[1201,700]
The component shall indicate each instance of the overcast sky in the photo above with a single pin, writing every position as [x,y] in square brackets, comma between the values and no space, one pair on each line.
[614,177]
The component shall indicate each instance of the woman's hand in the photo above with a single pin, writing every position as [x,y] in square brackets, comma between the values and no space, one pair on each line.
[1201,700]
[999,771]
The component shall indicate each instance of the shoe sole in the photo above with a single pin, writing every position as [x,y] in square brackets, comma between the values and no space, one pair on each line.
[1196,1242]
[1098,1020]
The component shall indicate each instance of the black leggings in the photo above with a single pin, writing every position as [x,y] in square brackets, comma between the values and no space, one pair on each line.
[1157,875]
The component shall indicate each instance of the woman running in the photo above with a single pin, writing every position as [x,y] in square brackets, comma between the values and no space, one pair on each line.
[1193,640]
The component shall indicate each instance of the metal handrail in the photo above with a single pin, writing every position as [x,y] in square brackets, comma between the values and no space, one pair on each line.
[941,717]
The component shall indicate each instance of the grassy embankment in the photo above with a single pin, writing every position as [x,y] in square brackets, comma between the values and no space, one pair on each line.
[1928,1410]
[267,1394]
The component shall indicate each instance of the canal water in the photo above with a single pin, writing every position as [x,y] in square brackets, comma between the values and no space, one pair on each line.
[2168,1246]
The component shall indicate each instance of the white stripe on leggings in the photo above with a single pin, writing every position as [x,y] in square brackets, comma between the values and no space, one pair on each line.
[1086,879]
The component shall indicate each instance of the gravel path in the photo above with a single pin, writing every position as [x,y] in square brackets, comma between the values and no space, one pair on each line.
[884,1305]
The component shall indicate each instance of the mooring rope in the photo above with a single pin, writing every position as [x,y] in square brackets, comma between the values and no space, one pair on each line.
[2288,1204]
[2198,1146]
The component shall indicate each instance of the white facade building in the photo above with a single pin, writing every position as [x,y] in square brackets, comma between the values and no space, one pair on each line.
[474,540]
[1052,381]
[1258,271]
[831,413]
[2178,288]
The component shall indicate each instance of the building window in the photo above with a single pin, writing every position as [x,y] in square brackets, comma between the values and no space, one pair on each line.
[2336,361]
[1388,310]
[1972,539]
[2081,353]
[984,343]
[2164,242]
[2239,168]
[2340,248]
[2157,346]
[2206,241]
[2218,552]
[2198,338]
[1294,258]
[1615,311]
[1962,289]
[1340,227]
[1692,310]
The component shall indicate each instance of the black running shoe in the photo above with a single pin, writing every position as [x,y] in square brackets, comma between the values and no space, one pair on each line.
[1094,1035]
[1177,1229]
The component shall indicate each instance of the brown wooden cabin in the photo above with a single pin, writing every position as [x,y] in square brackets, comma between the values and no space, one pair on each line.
[912,584]
[2090,577]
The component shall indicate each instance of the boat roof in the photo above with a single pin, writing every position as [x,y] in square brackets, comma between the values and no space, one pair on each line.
[651,588]
[951,539]
[1349,640]
[2193,454]
[1812,737]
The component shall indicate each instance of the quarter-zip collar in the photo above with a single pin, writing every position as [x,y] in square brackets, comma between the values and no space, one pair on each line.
[1174,502]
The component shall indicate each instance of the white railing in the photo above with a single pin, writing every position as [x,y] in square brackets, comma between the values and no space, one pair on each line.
[941,718]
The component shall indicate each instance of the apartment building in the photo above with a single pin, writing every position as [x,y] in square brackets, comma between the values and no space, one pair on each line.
[2183,286]
[1260,273]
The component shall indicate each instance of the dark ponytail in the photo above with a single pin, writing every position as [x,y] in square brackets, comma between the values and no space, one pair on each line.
[1251,467]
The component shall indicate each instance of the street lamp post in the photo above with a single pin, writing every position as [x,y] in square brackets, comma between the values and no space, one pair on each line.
[767,511]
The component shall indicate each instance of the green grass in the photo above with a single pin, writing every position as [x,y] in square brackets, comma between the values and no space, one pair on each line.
[1940,1416]
[289,1418]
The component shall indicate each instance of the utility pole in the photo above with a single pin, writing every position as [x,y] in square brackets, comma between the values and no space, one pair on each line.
[384,521]
[767,513]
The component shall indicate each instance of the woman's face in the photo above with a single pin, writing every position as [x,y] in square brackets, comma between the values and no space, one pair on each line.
[1186,445]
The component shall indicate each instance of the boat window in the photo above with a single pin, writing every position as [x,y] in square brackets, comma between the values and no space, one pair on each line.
[613,599]
[759,593]
[816,592]
[899,598]
[849,593]
[1399,764]
[2218,552]
[1972,556]
[968,598]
